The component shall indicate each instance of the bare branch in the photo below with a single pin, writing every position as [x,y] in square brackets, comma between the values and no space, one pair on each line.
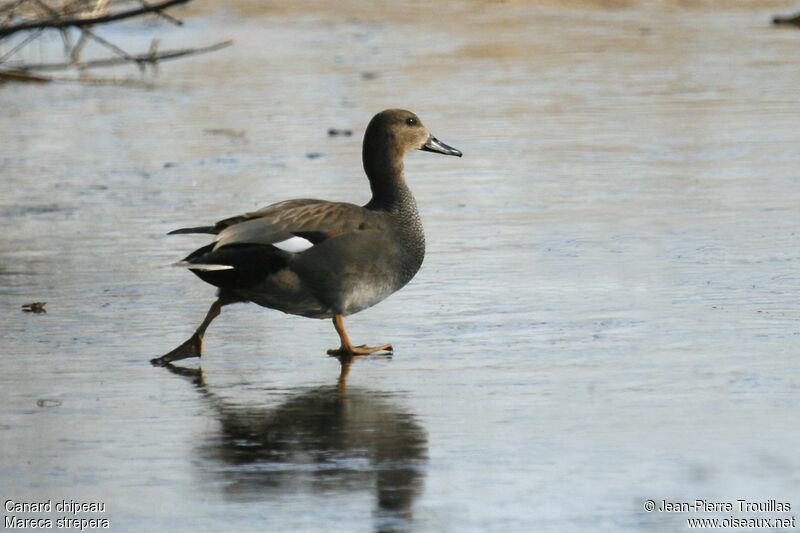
[164,15]
[79,22]
[21,45]
[111,46]
[21,75]
[10,9]
[142,59]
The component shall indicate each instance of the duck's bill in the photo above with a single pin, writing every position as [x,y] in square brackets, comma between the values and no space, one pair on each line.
[435,145]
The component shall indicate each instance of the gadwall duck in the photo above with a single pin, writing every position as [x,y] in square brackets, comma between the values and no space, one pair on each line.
[322,259]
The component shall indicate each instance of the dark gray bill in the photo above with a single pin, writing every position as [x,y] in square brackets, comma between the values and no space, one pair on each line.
[435,145]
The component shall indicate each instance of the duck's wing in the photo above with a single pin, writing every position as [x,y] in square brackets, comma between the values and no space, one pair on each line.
[297,225]
[265,212]
[248,252]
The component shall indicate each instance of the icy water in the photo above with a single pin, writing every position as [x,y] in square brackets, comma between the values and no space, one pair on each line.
[608,312]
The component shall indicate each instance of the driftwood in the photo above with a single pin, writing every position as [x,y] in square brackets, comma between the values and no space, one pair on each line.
[38,16]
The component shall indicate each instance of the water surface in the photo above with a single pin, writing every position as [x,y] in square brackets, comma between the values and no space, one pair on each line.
[608,311]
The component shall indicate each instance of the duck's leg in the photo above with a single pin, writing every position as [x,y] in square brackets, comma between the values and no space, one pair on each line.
[347,348]
[193,347]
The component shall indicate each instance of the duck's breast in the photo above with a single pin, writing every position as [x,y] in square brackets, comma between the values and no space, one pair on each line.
[358,269]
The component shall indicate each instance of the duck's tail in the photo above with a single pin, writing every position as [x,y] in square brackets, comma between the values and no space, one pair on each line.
[199,229]
[201,266]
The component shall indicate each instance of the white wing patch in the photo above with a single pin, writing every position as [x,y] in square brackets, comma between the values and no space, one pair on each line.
[293,245]
[200,266]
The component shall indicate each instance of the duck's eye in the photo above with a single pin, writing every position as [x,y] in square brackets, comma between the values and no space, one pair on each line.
[411,122]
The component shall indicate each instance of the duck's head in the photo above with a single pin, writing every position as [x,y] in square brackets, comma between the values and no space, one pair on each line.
[396,132]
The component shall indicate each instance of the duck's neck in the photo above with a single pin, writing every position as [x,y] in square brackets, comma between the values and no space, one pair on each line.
[390,194]
[388,184]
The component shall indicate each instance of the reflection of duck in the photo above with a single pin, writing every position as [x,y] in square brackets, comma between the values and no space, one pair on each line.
[322,440]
